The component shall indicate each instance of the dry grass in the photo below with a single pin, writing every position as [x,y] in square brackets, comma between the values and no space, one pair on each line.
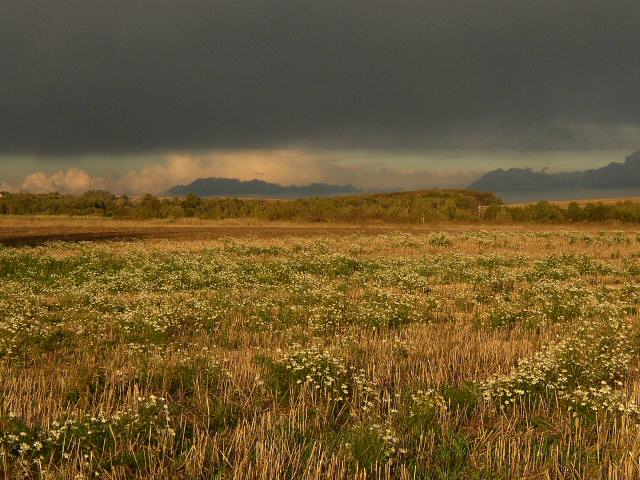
[321,355]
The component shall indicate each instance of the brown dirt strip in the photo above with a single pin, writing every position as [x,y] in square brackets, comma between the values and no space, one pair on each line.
[34,236]
[34,231]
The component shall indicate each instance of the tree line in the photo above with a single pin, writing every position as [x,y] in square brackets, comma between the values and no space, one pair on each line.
[400,207]
[546,212]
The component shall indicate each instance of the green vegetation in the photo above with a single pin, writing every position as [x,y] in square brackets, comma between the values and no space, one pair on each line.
[546,212]
[402,207]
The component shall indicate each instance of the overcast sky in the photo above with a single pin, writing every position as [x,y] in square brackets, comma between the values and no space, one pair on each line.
[142,94]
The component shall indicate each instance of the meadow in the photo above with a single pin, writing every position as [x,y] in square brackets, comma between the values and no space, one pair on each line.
[458,354]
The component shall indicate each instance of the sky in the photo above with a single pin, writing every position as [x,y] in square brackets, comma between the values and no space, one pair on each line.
[140,95]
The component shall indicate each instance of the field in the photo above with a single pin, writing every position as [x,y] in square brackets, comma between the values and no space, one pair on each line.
[327,353]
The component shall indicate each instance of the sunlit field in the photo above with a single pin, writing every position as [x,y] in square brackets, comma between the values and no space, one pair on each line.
[461,354]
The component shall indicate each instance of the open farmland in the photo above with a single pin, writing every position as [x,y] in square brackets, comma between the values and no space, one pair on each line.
[459,354]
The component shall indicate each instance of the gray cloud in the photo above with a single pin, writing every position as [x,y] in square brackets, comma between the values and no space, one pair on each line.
[86,76]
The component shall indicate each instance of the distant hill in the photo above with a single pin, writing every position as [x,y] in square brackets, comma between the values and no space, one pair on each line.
[613,176]
[232,187]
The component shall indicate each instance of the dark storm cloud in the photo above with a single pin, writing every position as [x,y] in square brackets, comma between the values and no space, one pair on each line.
[124,76]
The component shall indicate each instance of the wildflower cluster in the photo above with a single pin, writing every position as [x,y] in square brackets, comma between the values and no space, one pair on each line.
[320,371]
[601,399]
[553,302]
[427,402]
[582,369]
[148,422]
[387,440]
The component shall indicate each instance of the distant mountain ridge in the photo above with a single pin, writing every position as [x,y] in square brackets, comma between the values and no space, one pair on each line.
[232,187]
[616,175]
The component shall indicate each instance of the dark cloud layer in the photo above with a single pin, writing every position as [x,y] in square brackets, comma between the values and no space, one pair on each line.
[83,76]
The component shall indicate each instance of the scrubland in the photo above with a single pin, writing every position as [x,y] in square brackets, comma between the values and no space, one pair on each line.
[464,354]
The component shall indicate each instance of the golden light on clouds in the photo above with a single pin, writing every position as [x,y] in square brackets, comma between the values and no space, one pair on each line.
[283,166]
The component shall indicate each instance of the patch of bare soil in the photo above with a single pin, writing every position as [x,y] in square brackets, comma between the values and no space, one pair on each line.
[36,235]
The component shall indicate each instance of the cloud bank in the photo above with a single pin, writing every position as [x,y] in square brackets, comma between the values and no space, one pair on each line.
[72,180]
[286,167]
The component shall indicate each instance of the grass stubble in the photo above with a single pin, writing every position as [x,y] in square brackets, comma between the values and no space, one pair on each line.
[462,354]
